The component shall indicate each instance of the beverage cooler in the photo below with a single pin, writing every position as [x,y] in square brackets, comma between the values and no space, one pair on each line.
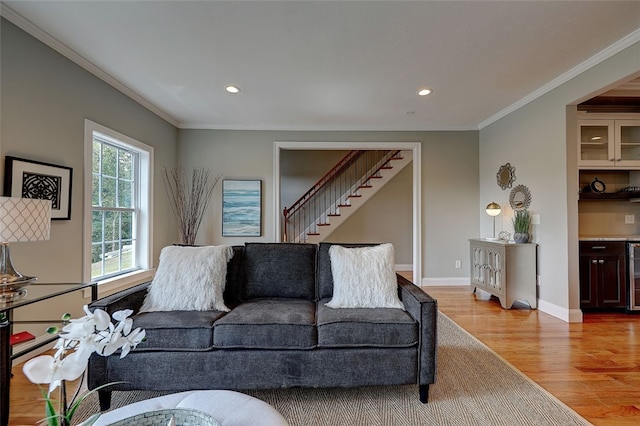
[633,250]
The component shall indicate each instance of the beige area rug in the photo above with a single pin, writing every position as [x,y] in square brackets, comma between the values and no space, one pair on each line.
[474,386]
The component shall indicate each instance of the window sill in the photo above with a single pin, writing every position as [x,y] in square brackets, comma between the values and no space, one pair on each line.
[121,282]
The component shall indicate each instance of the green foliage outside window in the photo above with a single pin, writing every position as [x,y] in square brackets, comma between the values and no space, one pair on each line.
[112,229]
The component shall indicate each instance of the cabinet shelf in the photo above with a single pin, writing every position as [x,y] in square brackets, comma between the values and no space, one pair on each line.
[624,195]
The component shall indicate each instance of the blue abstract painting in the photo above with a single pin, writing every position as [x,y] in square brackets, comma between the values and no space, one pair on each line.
[241,208]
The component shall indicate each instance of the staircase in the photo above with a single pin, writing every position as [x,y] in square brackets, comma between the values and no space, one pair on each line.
[341,192]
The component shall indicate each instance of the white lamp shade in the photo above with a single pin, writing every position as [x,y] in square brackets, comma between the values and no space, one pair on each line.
[24,219]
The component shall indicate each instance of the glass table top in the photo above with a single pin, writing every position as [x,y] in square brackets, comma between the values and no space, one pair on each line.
[36,292]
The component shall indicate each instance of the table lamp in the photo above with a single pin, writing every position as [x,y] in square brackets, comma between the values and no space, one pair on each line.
[21,219]
[493,209]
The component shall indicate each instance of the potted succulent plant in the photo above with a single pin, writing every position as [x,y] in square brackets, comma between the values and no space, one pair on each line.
[521,224]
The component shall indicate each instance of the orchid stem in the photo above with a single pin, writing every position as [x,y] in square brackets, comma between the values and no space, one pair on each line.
[63,403]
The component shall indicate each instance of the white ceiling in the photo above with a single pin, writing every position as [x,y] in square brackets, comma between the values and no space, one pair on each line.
[332,65]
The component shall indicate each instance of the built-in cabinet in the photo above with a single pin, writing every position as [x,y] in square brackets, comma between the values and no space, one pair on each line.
[609,153]
[603,276]
[609,143]
[507,271]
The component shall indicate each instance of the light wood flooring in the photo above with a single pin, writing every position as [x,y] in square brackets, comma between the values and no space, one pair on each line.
[593,367]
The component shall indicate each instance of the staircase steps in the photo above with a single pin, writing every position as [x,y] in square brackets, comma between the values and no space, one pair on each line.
[352,182]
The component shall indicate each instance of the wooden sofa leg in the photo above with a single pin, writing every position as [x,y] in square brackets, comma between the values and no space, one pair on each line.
[104,397]
[424,393]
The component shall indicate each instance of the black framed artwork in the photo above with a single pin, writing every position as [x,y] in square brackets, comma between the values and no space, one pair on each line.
[35,179]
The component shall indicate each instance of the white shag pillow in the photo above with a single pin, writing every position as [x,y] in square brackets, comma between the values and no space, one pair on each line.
[189,279]
[364,277]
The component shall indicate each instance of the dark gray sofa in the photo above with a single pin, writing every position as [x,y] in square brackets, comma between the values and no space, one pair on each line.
[278,334]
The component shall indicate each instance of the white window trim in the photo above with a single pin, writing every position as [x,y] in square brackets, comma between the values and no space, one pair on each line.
[145,177]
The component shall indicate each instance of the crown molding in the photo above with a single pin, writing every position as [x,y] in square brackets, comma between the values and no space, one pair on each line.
[41,35]
[596,59]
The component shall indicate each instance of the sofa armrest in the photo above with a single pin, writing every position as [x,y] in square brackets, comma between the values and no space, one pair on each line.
[424,309]
[130,298]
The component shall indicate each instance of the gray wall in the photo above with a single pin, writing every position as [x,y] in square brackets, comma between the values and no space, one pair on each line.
[300,169]
[539,139]
[449,185]
[45,99]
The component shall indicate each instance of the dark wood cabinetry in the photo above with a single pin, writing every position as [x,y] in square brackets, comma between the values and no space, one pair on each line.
[603,274]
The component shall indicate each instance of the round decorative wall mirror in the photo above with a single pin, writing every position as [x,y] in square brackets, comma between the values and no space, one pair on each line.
[506,175]
[520,198]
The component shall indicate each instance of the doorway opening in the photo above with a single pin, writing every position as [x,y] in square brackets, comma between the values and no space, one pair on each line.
[415,147]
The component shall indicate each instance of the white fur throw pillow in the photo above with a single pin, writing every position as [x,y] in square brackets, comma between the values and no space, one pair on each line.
[189,279]
[364,277]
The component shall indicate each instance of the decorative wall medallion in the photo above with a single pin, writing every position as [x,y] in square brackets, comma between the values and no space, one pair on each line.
[520,198]
[506,176]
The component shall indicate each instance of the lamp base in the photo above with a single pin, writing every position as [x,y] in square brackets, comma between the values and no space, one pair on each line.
[11,281]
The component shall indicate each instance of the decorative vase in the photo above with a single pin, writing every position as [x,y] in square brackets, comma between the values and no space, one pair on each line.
[521,237]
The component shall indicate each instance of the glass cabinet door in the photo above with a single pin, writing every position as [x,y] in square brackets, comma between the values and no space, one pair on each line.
[628,136]
[596,143]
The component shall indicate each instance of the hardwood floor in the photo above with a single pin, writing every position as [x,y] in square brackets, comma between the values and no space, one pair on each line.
[593,367]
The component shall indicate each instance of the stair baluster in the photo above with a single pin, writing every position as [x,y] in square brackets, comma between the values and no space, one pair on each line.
[332,192]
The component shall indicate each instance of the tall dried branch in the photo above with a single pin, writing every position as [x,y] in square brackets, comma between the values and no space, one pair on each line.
[189,199]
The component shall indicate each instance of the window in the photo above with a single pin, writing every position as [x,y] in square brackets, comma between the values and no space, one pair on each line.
[118,208]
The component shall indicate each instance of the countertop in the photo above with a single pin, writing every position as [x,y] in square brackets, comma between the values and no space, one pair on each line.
[609,238]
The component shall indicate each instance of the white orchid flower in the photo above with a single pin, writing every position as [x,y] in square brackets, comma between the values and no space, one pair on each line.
[132,340]
[46,369]
[92,333]
[122,315]
[81,328]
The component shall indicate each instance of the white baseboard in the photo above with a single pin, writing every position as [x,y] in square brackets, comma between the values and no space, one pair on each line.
[567,315]
[445,281]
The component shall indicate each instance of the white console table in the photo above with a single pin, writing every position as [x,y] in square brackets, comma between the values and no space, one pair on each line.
[506,270]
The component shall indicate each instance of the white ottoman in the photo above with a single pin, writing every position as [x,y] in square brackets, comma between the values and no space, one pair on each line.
[227,407]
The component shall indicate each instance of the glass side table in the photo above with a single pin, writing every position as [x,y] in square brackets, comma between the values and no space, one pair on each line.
[36,292]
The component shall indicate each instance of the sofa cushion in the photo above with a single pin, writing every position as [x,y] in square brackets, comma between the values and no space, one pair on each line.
[364,277]
[324,275]
[189,279]
[268,324]
[280,270]
[177,330]
[358,327]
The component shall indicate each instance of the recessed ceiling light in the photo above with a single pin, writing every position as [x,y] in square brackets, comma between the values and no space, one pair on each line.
[423,92]
[232,89]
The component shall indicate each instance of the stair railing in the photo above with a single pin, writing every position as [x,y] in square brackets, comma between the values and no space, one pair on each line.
[333,191]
